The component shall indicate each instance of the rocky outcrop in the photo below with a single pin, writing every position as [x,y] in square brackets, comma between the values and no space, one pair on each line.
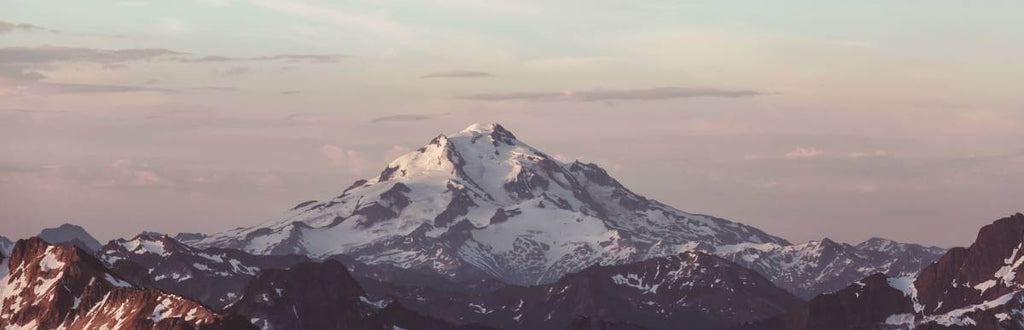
[61,286]
[212,276]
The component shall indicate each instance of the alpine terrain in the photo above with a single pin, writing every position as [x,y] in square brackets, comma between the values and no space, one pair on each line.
[482,204]
[61,286]
[977,287]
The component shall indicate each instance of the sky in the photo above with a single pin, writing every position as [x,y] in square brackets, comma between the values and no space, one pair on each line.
[807,119]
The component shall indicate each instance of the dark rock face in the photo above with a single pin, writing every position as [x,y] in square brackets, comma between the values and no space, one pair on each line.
[189,237]
[385,280]
[976,287]
[49,287]
[865,304]
[587,323]
[213,276]
[695,289]
[321,296]
[70,234]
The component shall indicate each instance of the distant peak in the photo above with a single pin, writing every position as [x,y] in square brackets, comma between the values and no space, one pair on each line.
[482,128]
[489,128]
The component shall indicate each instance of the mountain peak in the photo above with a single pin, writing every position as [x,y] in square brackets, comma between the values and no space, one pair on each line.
[483,128]
[481,201]
[70,234]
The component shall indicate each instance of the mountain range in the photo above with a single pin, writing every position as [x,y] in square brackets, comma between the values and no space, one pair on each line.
[479,230]
[483,204]
[977,287]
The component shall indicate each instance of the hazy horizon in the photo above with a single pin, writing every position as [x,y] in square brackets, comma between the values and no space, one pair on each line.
[804,119]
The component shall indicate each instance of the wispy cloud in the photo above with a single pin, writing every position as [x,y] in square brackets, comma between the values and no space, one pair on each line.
[8,27]
[50,54]
[458,74]
[235,71]
[63,88]
[351,160]
[804,153]
[657,93]
[403,117]
[289,58]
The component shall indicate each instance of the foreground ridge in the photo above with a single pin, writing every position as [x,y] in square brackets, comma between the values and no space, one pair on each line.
[61,286]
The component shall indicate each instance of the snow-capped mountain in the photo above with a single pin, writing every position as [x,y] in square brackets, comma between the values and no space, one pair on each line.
[322,296]
[213,276]
[70,234]
[61,286]
[694,289]
[978,287]
[825,266]
[483,203]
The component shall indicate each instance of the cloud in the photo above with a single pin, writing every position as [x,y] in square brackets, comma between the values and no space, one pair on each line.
[62,88]
[52,54]
[138,175]
[525,96]
[644,94]
[351,160]
[406,117]
[457,74]
[8,27]
[310,58]
[804,153]
[290,92]
[865,154]
[394,152]
[288,58]
[22,64]
[211,89]
[235,71]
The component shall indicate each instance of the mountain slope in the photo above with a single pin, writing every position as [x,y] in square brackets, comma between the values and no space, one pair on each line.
[482,203]
[213,276]
[825,266]
[70,234]
[48,286]
[322,296]
[696,289]
[977,287]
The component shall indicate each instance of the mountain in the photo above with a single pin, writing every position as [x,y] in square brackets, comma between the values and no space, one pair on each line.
[322,296]
[977,287]
[61,286]
[586,323]
[694,289]
[70,234]
[825,266]
[481,203]
[6,246]
[212,276]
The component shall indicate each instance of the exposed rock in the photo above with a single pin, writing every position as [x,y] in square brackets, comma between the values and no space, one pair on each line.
[62,286]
